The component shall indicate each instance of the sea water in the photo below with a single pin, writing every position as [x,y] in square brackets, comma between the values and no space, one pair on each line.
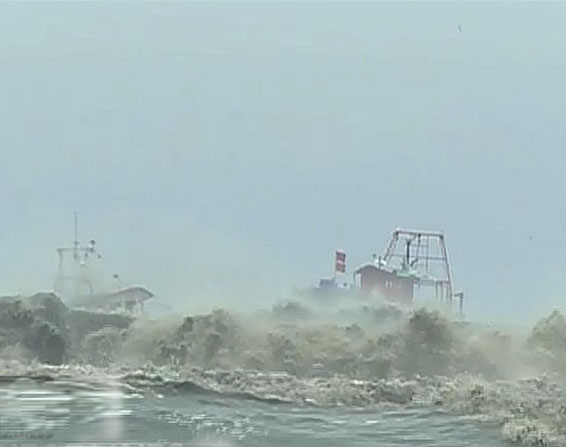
[59,411]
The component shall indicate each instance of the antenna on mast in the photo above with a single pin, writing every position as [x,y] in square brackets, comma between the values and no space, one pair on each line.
[76,226]
[76,241]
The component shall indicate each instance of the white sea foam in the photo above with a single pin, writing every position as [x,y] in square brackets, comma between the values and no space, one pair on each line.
[393,358]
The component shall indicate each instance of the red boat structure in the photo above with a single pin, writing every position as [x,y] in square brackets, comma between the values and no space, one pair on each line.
[414,265]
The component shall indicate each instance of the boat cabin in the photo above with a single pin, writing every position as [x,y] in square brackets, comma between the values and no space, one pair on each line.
[391,285]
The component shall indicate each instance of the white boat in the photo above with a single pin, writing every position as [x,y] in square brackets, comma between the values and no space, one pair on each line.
[77,288]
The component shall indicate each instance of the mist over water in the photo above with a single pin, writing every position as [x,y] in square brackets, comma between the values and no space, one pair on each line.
[341,354]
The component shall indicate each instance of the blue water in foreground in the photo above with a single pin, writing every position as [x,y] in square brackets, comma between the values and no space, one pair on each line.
[56,413]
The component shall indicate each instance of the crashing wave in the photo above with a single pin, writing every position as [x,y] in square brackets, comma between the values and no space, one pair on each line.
[356,356]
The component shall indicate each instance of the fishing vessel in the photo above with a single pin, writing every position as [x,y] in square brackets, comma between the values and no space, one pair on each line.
[81,286]
[414,266]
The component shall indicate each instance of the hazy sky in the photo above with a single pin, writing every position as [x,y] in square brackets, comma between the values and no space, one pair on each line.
[225,150]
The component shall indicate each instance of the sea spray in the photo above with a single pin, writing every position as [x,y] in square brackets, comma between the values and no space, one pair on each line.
[361,356]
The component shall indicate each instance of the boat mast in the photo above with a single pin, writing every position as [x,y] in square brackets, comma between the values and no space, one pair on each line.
[80,256]
[76,241]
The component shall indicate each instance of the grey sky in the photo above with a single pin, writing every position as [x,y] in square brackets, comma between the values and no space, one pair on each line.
[225,150]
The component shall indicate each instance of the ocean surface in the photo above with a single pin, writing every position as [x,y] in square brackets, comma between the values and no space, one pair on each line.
[50,411]
[362,377]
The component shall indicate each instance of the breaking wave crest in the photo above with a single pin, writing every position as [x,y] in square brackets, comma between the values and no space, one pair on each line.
[360,357]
